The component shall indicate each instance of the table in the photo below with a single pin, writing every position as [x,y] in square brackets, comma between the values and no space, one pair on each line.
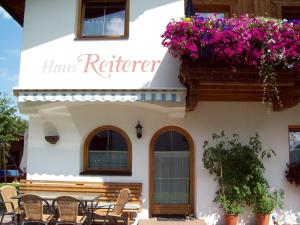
[83,197]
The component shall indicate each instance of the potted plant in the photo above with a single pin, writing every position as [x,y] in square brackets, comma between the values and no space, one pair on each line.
[222,160]
[265,203]
[239,172]
[231,209]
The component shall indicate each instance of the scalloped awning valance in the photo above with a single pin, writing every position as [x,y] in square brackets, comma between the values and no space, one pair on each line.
[151,96]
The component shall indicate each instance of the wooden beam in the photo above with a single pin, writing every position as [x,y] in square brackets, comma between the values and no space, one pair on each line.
[209,80]
[15,8]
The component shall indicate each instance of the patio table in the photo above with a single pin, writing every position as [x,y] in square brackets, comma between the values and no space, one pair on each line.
[83,197]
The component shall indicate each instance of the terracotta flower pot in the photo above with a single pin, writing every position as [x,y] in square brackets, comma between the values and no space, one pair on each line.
[262,219]
[231,219]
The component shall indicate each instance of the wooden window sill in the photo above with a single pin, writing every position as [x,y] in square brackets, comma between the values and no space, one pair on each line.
[101,38]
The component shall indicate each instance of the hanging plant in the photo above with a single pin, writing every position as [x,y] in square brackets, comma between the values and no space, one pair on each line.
[292,173]
[264,43]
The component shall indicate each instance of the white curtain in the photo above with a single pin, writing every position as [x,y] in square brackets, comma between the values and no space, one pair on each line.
[112,24]
[108,159]
[171,177]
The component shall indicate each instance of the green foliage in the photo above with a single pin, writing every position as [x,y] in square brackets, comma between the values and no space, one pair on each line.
[265,202]
[10,125]
[237,168]
[229,207]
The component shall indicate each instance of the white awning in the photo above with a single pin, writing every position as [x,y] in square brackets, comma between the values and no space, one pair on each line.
[150,96]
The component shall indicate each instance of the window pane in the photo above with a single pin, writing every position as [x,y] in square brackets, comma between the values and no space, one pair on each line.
[163,143]
[171,141]
[179,142]
[104,19]
[115,24]
[171,169]
[294,137]
[291,13]
[108,150]
[210,15]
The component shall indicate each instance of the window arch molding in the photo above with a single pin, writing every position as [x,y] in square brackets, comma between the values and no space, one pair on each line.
[118,172]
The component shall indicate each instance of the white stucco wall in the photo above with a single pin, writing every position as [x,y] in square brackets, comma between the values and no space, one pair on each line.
[51,57]
[63,161]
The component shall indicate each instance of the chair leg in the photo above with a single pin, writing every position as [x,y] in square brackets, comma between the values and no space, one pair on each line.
[116,221]
[104,220]
[15,219]
[2,219]
[126,219]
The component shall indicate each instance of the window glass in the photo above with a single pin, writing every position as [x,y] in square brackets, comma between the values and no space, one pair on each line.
[103,18]
[291,13]
[212,10]
[171,141]
[210,15]
[294,139]
[171,169]
[108,150]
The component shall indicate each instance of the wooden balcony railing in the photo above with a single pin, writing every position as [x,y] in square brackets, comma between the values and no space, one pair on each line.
[208,80]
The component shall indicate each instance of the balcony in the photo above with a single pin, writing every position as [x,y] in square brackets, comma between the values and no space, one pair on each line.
[237,59]
[209,80]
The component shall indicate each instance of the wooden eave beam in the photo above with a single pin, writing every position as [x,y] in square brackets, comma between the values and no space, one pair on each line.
[11,9]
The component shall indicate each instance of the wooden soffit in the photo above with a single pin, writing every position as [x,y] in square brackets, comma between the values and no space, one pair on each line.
[211,81]
[15,8]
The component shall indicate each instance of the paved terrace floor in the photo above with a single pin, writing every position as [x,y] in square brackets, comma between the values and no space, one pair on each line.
[7,221]
[154,221]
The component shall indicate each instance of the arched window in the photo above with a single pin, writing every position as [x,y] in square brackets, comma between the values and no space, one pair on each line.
[107,151]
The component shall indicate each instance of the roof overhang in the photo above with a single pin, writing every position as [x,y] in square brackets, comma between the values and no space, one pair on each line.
[15,8]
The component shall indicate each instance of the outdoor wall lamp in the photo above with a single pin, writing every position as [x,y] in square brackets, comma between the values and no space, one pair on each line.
[52,139]
[139,130]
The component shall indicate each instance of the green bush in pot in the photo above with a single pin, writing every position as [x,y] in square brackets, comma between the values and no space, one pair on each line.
[237,168]
[264,202]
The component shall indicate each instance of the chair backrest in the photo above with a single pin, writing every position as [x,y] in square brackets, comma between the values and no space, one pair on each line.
[123,198]
[68,207]
[6,193]
[33,206]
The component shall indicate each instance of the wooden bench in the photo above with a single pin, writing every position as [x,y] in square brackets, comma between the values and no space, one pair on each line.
[109,191]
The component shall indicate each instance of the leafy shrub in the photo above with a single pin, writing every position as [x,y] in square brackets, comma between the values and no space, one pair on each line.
[239,171]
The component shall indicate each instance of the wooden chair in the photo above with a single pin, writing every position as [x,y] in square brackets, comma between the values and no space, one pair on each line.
[114,211]
[11,205]
[68,208]
[34,209]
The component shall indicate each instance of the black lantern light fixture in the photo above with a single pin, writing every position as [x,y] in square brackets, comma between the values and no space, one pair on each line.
[139,130]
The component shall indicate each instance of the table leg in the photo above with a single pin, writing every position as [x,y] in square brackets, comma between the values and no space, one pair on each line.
[92,209]
[88,217]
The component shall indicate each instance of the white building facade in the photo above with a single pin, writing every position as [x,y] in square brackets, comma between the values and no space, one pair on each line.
[71,86]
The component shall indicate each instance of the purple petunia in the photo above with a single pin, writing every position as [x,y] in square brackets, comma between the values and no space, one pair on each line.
[241,40]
